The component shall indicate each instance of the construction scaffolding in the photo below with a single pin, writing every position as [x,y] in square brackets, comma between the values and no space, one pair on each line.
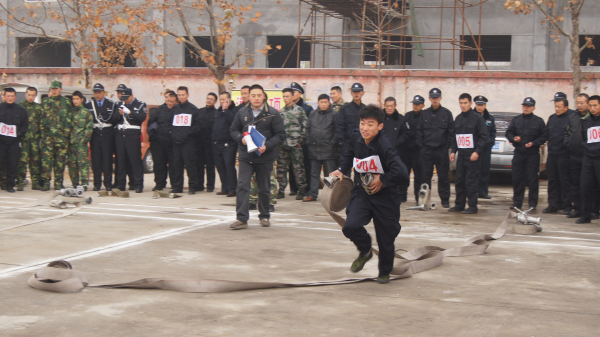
[383,27]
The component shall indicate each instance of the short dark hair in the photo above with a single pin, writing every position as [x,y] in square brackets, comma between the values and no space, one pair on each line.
[183,88]
[256,86]
[78,94]
[371,111]
[336,88]
[288,90]
[564,100]
[214,95]
[390,99]
[587,97]
[9,89]
[225,93]
[465,96]
[323,96]
[245,87]
[32,89]
[171,93]
[594,98]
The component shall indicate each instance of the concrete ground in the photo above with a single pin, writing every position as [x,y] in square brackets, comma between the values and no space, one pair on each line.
[542,285]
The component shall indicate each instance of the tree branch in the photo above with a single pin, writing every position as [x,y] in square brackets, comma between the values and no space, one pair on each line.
[559,28]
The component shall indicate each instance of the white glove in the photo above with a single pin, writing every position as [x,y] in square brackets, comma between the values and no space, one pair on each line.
[125,110]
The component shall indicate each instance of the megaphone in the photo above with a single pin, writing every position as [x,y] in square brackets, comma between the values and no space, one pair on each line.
[249,143]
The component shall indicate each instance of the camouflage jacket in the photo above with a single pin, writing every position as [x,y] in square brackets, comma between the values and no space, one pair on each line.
[337,106]
[35,113]
[294,121]
[82,125]
[56,118]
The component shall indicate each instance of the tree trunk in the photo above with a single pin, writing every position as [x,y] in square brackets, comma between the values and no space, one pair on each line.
[575,55]
[220,79]
[86,71]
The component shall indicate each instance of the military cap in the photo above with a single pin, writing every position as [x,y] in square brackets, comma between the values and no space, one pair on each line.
[435,93]
[559,95]
[418,99]
[98,87]
[529,101]
[297,87]
[56,84]
[121,87]
[357,87]
[480,100]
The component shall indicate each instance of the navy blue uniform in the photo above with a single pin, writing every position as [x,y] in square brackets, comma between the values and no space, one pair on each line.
[590,171]
[204,149]
[102,144]
[557,165]
[224,150]
[486,156]
[128,145]
[161,145]
[392,125]
[411,153]
[383,207]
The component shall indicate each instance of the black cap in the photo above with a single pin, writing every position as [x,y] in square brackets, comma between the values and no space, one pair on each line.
[297,87]
[357,87]
[435,93]
[98,87]
[559,95]
[480,100]
[125,93]
[121,87]
[529,101]
[418,100]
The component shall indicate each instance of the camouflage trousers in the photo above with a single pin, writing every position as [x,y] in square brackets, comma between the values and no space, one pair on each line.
[30,155]
[254,189]
[294,155]
[53,156]
[78,161]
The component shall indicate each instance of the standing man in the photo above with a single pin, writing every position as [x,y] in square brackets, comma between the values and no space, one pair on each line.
[590,172]
[526,132]
[470,142]
[30,144]
[347,119]
[298,91]
[320,134]
[204,151]
[435,135]
[102,144]
[132,113]
[78,160]
[245,92]
[224,147]
[56,132]
[411,151]
[336,98]
[290,152]
[14,123]
[392,127]
[161,141]
[486,156]
[269,123]
[557,165]
[185,129]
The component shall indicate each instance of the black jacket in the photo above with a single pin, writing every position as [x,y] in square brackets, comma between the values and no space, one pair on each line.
[394,170]
[220,130]
[207,120]
[268,122]
[530,128]
[307,108]
[136,117]
[470,122]
[107,114]
[392,125]
[490,123]
[163,118]
[13,115]
[238,108]
[435,128]
[346,122]
[409,131]
[320,131]
[589,149]
[556,131]
[185,134]
[573,134]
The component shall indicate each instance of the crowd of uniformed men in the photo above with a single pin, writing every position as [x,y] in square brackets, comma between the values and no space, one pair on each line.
[302,141]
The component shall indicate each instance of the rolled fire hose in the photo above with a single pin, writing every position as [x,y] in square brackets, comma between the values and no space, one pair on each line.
[59,276]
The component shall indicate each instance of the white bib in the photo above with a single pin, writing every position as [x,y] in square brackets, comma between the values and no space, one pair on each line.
[593,134]
[370,164]
[8,130]
[182,120]
[465,141]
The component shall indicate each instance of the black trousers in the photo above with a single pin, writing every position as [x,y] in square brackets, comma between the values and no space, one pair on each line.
[206,163]
[525,172]
[127,169]
[559,181]
[224,153]
[384,209]
[411,160]
[129,152]
[575,170]
[102,146]
[329,165]
[9,154]
[307,170]
[263,184]
[184,155]
[467,181]
[440,158]
[484,172]
[162,156]
[590,178]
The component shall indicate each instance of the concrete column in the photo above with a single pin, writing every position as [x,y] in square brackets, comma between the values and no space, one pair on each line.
[540,42]
[4,40]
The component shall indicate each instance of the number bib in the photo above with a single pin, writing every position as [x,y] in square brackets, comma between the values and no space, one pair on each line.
[465,141]
[593,134]
[182,120]
[370,164]
[8,130]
